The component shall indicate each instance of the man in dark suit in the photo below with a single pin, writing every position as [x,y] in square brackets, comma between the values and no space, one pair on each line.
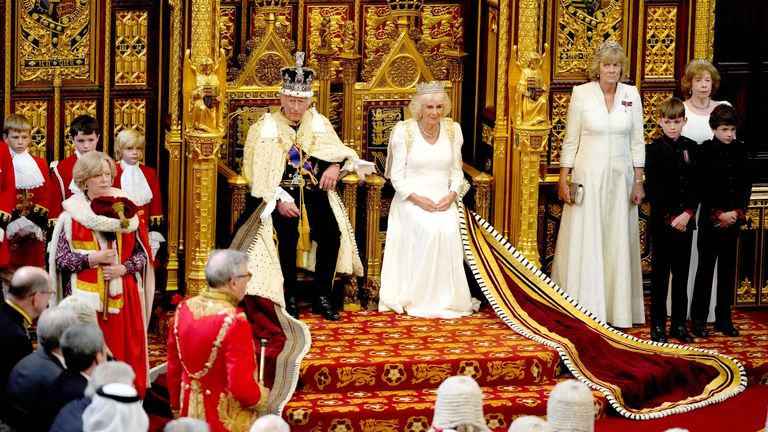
[33,376]
[84,349]
[28,296]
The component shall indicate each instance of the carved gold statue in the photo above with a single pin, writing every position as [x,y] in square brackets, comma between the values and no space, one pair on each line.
[529,82]
[349,36]
[203,94]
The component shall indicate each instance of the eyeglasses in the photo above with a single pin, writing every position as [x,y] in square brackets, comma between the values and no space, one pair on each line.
[50,292]
[247,275]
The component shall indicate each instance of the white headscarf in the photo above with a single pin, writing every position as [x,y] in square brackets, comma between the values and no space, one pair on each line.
[115,407]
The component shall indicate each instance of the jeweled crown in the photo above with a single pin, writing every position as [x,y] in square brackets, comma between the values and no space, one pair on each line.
[297,81]
[430,87]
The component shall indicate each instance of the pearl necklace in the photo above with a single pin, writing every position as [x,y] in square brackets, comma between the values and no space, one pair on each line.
[704,108]
[428,134]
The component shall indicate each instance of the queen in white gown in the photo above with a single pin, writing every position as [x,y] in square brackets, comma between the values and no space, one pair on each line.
[422,273]
[597,255]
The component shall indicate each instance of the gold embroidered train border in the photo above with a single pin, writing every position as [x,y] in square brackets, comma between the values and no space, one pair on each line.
[491,258]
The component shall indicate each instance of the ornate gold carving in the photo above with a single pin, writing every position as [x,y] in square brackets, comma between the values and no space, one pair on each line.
[326,32]
[203,93]
[746,292]
[378,34]
[442,29]
[373,247]
[704,30]
[37,113]
[55,36]
[660,35]
[582,26]
[283,16]
[130,113]
[174,143]
[651,102]
[204,31]
[131,47]
[227,31]
[529,25]
[403,72]
[486,135]
[529,87]
[72,109]
[560,101]
[532,141]
[239,187]
[491,58]
[106,104]
[483,184]
[268,70]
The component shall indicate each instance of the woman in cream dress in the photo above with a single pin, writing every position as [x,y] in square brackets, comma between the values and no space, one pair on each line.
[597,257]
[422,273]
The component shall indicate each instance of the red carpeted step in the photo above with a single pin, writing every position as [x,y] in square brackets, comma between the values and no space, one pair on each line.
[375,351]
[411,410]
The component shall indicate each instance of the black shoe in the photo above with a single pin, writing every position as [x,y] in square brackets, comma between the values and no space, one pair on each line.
[699,328]
[322,306]
[726,328]
[291,308]
[680,332]
[658,334]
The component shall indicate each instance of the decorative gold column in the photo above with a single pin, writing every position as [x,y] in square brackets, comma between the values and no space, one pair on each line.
[204,102]
[704,30]
[483,183]
[372,243]
[351,291]
[502,195]
[324,55]
[175,146]
[349,60]
[531,141]
[456,75]
[239,187]
[202,158]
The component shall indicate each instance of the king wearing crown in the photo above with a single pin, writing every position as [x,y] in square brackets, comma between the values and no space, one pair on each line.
[293,160]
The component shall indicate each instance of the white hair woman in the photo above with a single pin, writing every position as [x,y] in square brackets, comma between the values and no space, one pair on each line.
[98,242]
[597,256]
[422,273]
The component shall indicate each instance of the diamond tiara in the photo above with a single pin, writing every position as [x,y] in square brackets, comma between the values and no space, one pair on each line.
[430,87]
[609,44]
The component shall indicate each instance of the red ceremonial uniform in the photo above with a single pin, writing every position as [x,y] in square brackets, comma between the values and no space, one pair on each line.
[32,203]
[62,177]
[212,372]
[150,213]
[7,199]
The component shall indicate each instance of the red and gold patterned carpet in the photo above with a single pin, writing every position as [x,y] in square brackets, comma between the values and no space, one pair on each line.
[378,371]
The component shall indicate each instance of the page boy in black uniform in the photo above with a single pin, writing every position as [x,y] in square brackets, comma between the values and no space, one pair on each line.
[671,188]
[725,188]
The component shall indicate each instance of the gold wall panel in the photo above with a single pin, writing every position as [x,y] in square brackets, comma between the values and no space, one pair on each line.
[651,102]
[131,47]
[529,30]
[704,29]
[227,30]
[560,101]
[660,32]
[54,36]
[337,16]
[72,109]
[442,29]
[37,113]
[378,33]
[581,29]
[130,113]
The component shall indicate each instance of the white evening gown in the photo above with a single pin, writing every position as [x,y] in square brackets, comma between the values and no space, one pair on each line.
[597,255]
[422,273]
